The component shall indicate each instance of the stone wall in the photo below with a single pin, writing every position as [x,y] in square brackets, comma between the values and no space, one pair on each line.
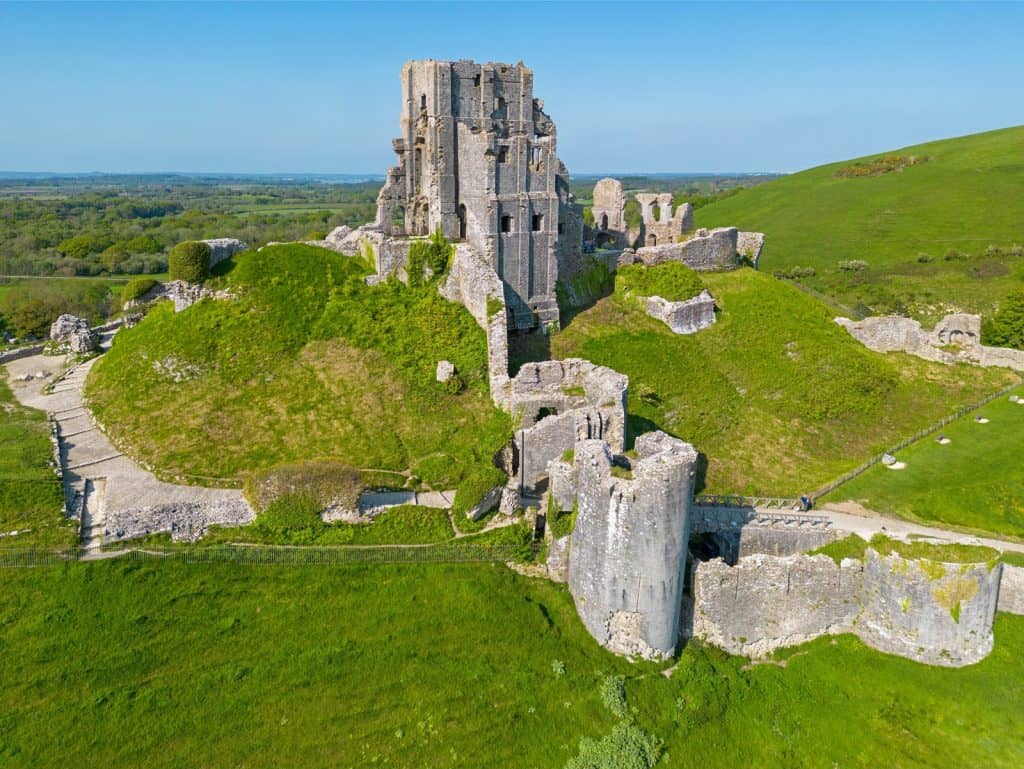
[224,248]
[955,339]
[749,245]
[706,250]
[687,317]
[472,283]
[184,521]
[628,548]
[1011,590]
[940,614]
[559,403]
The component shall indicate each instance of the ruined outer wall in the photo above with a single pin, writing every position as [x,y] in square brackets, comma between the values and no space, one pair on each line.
[909,609]
[940,614]
[766,603]
[687,317]
[1011,590]
[628,548]
[706,250]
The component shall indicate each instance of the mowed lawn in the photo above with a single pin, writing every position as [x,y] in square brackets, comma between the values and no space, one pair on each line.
[967,195]
[778,397]
[975,481]
[164,664]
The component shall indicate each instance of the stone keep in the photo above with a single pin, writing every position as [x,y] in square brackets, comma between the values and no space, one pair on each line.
[664,227]
[628,548]
[477,158]
[609,210]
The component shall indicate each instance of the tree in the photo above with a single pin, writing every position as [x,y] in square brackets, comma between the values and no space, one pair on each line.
[1006,326]
[189,261]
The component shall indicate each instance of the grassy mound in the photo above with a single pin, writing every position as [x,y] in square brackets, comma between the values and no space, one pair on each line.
[778,397]
[923,228]
[305,363]
[855,547]
[672,281]
[975,481]
[217,665]
[31,498]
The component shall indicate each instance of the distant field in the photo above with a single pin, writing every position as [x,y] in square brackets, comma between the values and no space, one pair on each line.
[975,481]
[163,664]
[963,195]
[778,397]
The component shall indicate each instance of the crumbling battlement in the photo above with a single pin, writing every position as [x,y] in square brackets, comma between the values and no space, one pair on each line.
[937,613]
[559,403]
[628,548]
[955,339]
[664,226]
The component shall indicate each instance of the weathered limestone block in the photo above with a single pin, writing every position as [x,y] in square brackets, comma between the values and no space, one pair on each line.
[445,370]
[70,333]
[749,245]
[706,250]
[687,317]
[224,248]
[558,559]
[1011,590]
[766,603]
[932,612]
[628,548]
[490,501]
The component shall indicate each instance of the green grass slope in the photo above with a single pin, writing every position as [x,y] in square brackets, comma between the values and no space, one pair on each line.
[778,397]
[967,195]
[975,481]
[31,499]
[306,362]
[164,664]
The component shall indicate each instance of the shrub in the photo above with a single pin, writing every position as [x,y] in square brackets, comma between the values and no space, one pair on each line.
[626,747]
[429,256]
[794,273]
[955,256]
[1006,327]
[672,281]
[613,695]
[924,258]
[882,165]
[189,261]
[136,289]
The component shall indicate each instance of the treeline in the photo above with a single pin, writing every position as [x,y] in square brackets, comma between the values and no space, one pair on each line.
[56,230]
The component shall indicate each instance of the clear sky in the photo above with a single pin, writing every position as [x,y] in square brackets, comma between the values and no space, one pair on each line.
[632,87]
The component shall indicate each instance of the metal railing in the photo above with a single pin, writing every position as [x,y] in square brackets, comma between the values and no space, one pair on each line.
[734,500]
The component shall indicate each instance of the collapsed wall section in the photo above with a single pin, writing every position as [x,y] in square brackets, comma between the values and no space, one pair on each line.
[628,547]
[706,250]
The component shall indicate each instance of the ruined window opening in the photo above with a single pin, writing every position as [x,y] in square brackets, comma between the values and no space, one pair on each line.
[545,412]
[652,239]
[476,80]
[462,221]
[506,223]
[502,154]
[537,223]
[423,101]
[561,228]
[398,219]
[499,107]
[536,156]
[604,221]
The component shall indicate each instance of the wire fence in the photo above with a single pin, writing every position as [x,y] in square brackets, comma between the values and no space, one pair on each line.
[269,555]
[959,414]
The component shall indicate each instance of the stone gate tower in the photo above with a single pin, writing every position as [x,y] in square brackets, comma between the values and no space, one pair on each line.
[477,158]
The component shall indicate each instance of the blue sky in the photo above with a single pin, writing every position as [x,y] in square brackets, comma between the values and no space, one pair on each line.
[632,87]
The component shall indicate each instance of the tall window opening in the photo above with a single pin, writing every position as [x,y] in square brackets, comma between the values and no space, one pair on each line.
[506,223]
[537,222]
[502,154]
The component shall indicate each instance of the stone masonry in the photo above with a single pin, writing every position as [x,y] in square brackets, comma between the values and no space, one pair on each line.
[609,210]
[477,158]
[659,225]
[955,339]
[687,317]
[628,548]
[705,250]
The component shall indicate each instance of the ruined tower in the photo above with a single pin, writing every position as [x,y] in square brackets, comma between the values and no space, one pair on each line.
[628,550]
[477,158]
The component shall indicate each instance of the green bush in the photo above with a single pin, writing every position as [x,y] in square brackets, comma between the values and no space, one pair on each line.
[433,254]
[136,288]
[672,281]
[1006,327]
[626,747]
[189,261]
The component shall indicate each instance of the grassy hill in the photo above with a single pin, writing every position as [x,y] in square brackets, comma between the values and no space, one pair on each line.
[31,499]
[305,362]
[924,229]
[778,397]
[165,664]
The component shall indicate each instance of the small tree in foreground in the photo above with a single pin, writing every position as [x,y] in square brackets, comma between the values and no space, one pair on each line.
[189,261]
[1006,327]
